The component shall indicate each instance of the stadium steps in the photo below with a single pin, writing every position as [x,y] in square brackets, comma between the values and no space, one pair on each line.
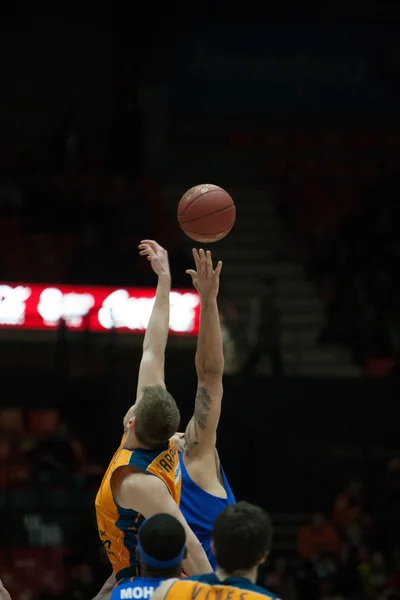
[258,247]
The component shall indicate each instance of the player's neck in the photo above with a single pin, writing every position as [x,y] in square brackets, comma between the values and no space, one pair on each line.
[250,574]
[131,442]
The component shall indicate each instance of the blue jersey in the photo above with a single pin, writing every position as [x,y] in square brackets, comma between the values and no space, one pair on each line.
[200,508]
[136,588]
[209,587]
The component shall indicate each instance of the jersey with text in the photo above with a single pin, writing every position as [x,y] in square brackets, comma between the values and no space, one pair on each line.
[136,588]
[118,527]
[209,587]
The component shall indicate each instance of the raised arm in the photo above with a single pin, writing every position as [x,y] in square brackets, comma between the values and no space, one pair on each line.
[152,497]
[151,371]
[4,594]
[162,591]
[106,590]
[201,432]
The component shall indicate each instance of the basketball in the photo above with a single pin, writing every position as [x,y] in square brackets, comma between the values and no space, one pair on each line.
[206,213]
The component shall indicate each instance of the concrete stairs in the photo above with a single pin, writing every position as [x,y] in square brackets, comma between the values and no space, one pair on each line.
[258,247]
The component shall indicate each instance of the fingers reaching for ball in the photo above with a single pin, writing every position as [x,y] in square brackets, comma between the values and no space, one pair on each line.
[157,255]
[205,278]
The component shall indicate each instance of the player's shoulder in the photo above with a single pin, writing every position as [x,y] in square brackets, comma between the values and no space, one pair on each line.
[244,584]
[163,589]
[139,481]
[209,578]
[263,592]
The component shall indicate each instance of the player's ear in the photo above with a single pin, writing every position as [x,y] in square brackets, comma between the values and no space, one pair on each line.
[128,417]
[137,554]
[131,423]
[185,554]
[212,547]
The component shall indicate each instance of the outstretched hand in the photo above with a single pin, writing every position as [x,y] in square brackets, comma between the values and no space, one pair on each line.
[157,256]
[205,278]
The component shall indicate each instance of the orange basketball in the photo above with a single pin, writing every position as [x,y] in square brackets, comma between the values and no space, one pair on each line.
[206,213]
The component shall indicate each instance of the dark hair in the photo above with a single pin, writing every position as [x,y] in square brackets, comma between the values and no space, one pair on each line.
[242,535]
[162,537]
[157,417]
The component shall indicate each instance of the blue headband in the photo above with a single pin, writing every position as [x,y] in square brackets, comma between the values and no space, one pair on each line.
[160,564]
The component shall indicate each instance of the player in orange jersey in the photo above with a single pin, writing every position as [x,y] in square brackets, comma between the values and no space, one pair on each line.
[127,494]
[241,540]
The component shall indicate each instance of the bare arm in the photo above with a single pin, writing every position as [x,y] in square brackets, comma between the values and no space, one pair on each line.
[4,594]
[152,497]
[151,371]
[161,592]
[106,590]
[201,432]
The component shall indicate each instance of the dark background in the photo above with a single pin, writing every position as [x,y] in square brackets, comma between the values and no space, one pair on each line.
[298,100]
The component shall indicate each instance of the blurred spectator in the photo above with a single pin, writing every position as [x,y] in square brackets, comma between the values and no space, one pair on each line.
[281,581]
[346,580]
[326,590]
[371,534]
[265,330]
[58,460]
[317,537]
[378,572]
[365,568]
[393,582]
[53,458]
[356,269]
[348,505]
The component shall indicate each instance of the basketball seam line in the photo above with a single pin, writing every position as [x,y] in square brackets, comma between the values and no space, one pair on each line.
[209,215]
[194,201]
[207,234]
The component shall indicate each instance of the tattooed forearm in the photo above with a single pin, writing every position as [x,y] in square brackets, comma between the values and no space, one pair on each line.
[198,422]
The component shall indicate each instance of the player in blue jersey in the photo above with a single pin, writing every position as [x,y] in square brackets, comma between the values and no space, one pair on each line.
[160,551]
[205,488]
[241,540]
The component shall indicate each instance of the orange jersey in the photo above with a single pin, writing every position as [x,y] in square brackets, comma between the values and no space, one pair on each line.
[208,587]
[118,526]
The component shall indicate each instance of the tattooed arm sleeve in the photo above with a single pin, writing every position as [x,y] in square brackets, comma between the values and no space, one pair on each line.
[201,432]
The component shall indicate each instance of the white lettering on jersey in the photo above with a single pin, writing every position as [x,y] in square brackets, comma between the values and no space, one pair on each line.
[177,473]
[136,593]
